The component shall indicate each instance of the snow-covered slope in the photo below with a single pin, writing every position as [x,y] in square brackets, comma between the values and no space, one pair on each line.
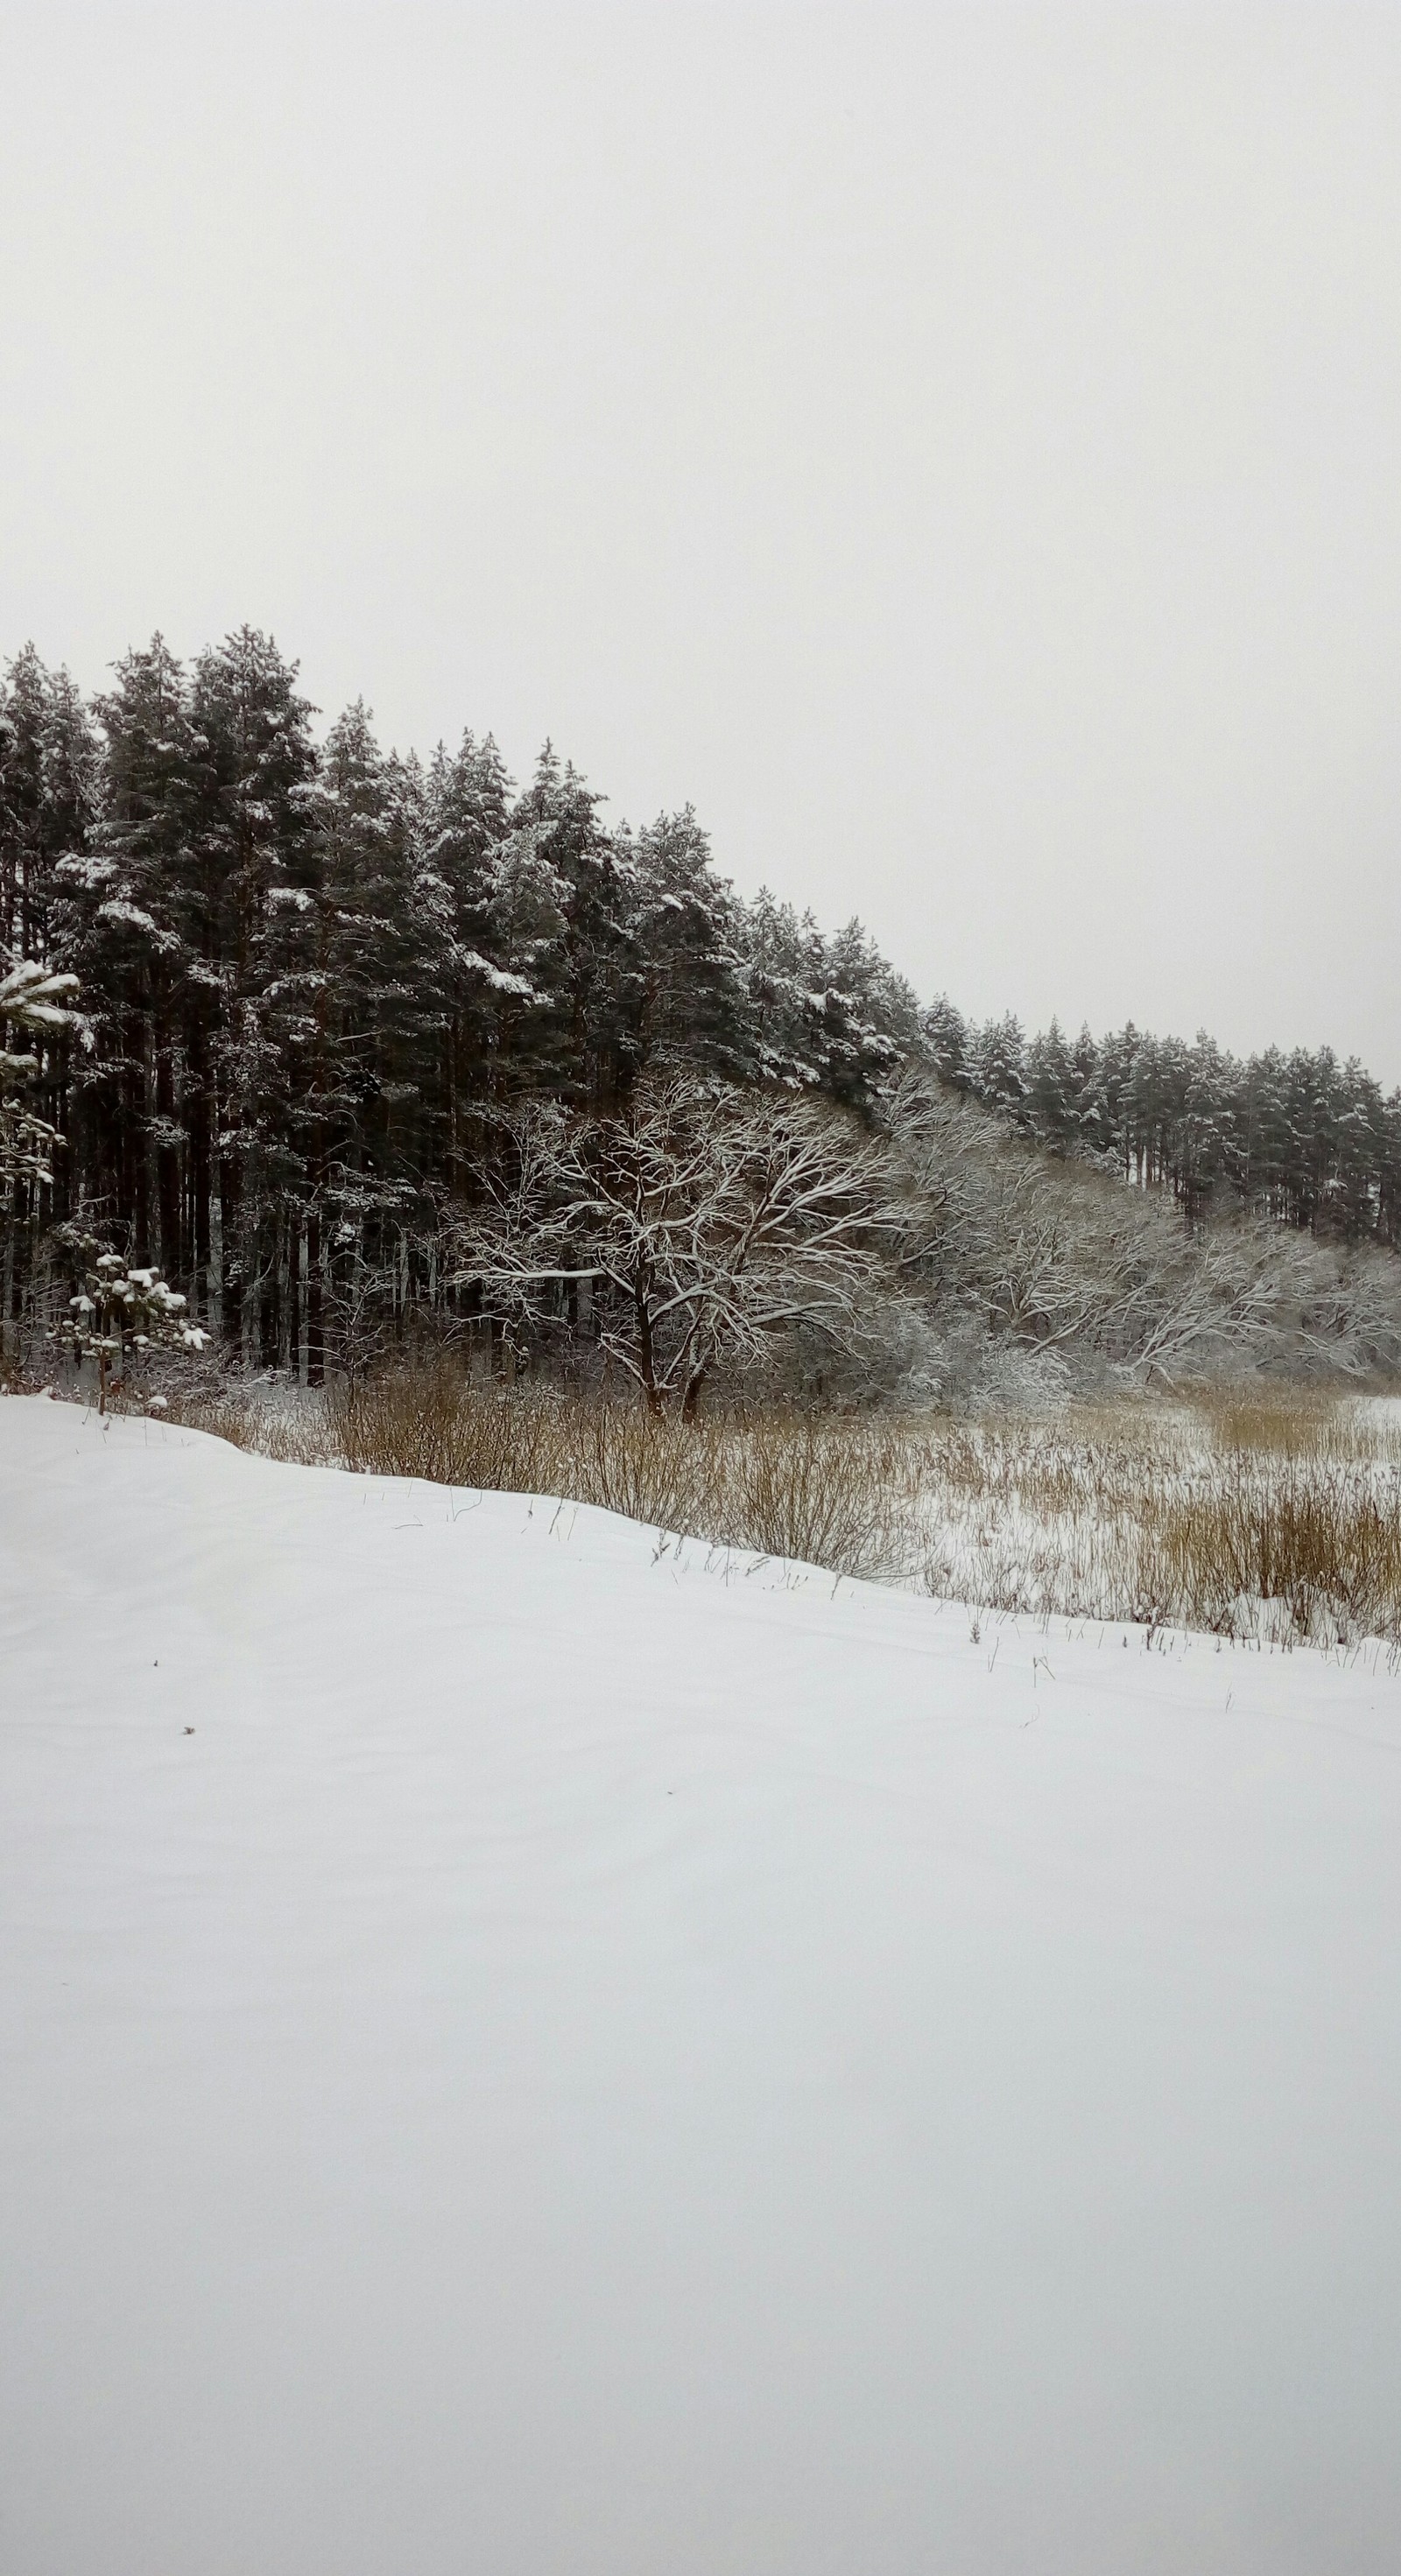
[590,2064]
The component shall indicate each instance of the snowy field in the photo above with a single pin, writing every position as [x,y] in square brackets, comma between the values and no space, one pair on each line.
[527,2051]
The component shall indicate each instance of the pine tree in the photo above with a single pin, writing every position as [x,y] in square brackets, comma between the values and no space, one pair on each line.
[122,1309]
[128,909]
[945,1034]
[257,857]
[688,931]
[1084,1091]
[596,970]
[997,1066]
[47,796]
[1051,1087]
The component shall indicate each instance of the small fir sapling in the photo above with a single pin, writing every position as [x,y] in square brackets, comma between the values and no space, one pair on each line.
[119,1309]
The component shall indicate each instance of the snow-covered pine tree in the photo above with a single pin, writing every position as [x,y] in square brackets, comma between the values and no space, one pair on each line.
[997,1066]
[467,801]
[1051,1087]
[129,919]
[591,1030]
[869,1019]
[945,1035]
[787,980]
[48,797]
[1113,1130]
[46,800]
[829,1015]
[1084,1077]
[694,1005]
[257,855]
[34,1019]
[1211,1078]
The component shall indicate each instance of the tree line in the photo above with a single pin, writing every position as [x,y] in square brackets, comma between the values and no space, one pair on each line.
[319,983]
[1300,1137]
[313,978]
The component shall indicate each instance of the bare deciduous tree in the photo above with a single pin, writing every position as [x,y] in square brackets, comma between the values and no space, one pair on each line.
[1067,1259]
[703,1219]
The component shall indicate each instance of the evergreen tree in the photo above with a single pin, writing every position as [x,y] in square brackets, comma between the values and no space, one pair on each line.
[257,856]
[997,1066]
[1052,1088]
[689,933]
[48,795]
[945,1034]
[130,920]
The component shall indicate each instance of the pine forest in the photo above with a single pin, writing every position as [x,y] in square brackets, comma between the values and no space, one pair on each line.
[340,1019]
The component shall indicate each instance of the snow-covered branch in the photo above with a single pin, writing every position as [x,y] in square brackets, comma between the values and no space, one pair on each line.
[33,1002]
[708,1218]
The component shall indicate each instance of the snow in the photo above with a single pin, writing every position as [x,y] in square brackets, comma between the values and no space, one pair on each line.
[595,2058]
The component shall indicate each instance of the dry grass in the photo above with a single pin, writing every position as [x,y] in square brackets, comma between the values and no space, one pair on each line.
[1304,1422]
[1273,1514]
[1276,1515]
[793,1485]
[1321,1548]
[299,1437]
[811,1487]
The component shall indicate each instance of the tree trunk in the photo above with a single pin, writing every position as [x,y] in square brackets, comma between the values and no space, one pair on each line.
[171,1249]
[199,1168]
[646,1356]
[315,1324]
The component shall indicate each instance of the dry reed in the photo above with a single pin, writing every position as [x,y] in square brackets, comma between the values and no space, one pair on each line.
[1274,1513]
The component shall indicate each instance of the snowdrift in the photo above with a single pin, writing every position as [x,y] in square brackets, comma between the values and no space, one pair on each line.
[531,2050]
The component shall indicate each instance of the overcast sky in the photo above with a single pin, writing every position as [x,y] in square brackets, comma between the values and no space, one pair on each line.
[957,449]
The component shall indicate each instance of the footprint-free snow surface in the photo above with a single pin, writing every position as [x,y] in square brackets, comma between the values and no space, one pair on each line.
[528,2053]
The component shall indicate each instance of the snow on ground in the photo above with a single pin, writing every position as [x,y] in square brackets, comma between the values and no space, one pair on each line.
[584,2061]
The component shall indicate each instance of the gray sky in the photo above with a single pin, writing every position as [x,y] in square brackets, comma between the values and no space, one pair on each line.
[955,448]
